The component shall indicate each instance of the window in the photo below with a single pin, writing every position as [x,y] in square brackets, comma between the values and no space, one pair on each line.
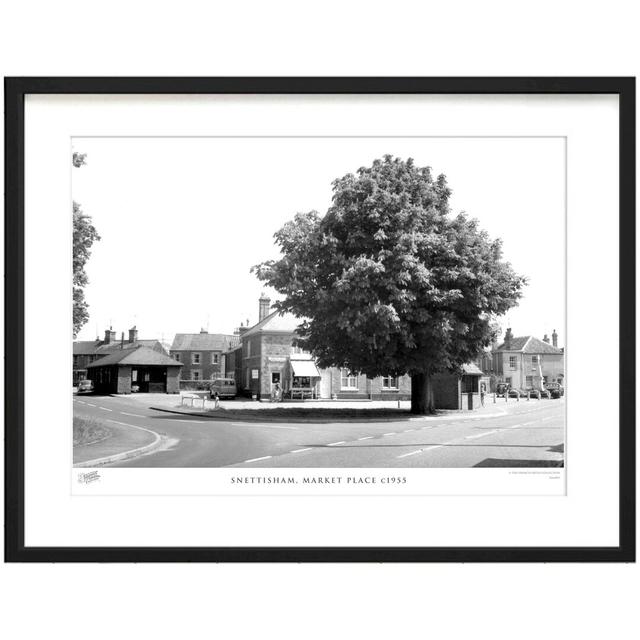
[214,358]
[348,380]
[508,381]
[196,374]
[389,382]
[529,381]
[195,358]
[470,384]
[513,363]
[535,360]
[177,356]
[301,382]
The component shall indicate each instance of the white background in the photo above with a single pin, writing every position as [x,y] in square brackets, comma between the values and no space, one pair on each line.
[195,38]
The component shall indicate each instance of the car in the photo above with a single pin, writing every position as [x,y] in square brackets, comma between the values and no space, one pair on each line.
[225,387]
[515,393]
[85,386]
[533,392]
[555,389]
[502,389]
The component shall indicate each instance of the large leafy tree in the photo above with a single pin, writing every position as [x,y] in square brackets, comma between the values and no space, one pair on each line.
[84,235]
[389,282]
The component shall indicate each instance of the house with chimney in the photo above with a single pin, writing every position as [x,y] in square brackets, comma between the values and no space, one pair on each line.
[86,352]
[201,354]
[527,361]
[266,356]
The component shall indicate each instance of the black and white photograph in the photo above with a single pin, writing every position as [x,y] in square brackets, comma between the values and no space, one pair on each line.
[324,302]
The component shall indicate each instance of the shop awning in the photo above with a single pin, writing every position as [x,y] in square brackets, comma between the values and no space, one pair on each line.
[305,368]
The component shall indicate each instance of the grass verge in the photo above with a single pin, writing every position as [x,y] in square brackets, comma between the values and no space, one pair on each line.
[88,431]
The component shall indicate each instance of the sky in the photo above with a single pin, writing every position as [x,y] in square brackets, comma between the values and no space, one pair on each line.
[182,220]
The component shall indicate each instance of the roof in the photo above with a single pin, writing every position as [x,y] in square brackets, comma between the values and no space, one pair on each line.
[98,347]
[139,356]
[202,342]
[530,344]
[85,347]
[275,322]
[118,345]
[471,369]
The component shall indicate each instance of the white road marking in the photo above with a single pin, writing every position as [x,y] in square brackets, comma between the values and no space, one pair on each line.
[81,402]
[366,438]
[481,435]
[268,426]
[256,459]
[91,405]
[105,409]
[301,450]
[413,453]
[333,444]
[391,433]
[133,415]
[407,430]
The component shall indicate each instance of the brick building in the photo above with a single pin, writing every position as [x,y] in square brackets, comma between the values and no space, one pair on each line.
[527,361]
[267,356]
[86,352]
[202,354]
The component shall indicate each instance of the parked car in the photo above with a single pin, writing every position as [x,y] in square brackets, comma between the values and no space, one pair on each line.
[555,389]
[544,393]
[226,388]
[533,392]
[85,386]
[502,388]
[514,393]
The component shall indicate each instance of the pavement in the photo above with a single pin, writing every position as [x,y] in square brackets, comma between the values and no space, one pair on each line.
[516,434]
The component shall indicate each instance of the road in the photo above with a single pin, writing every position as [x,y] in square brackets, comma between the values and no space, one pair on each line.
[523,434]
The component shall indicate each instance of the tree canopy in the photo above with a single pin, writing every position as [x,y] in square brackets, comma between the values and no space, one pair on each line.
[389,282]
[84,235]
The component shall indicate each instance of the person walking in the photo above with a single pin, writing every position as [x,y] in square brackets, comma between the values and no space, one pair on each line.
[216,400]
[482,392]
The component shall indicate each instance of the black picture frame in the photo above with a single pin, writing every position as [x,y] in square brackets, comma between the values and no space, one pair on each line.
[15,91]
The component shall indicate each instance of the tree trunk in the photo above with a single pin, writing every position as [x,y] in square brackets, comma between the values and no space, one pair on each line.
[422,394]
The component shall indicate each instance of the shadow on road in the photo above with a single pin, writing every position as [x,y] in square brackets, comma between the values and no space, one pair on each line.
[504,462]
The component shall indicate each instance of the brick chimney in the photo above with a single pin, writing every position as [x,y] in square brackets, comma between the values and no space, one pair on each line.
[265,305]
[507,339]
[241,329]
[546,338]
[554,337]
[133,334]
[109,336]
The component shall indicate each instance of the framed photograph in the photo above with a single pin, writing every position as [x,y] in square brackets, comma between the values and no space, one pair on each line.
[320,319]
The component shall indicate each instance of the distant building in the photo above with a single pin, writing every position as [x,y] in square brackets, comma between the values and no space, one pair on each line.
[86,352]
[202,354]
[527,361]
